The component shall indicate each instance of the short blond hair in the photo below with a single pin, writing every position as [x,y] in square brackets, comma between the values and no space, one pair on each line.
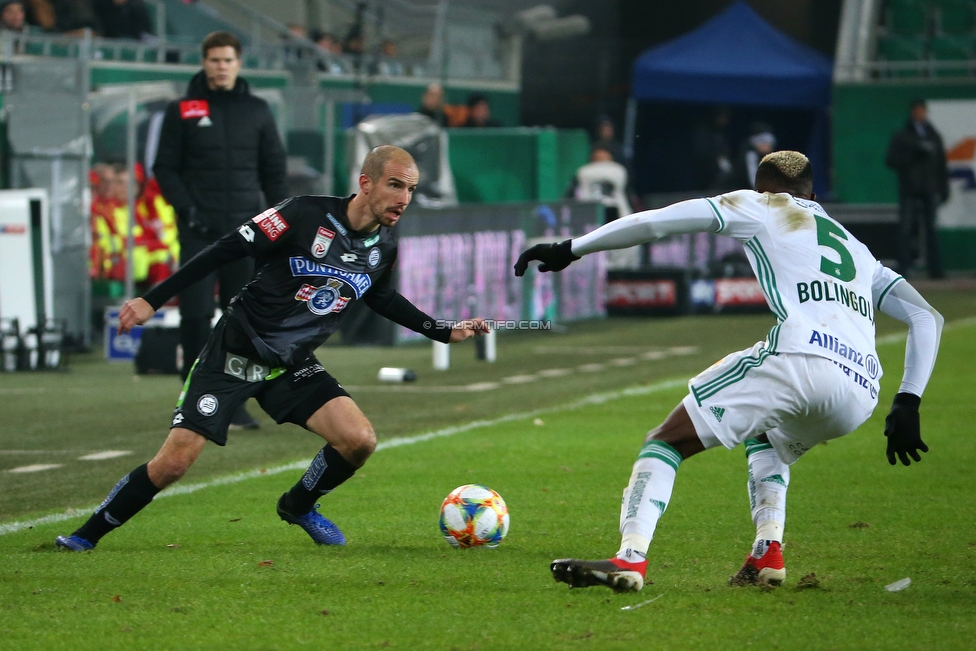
[375,162]
[786,170]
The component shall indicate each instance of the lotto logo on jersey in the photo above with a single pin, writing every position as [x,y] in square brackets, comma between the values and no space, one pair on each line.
[271,223]
[322,242]
[194,108]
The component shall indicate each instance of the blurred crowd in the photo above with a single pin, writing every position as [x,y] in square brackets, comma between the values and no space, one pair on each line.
[106,18]
[156,250]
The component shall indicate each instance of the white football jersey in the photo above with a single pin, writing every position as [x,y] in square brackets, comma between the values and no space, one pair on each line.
[821,283]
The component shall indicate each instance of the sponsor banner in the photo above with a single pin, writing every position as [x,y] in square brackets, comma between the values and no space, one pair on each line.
[13,229]
[954,120]
[701,293]
[271,223]
[305,267]
[738,291]
[194,108]
[642,293]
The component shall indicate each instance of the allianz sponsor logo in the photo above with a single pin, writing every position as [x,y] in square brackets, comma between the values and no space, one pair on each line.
[828,291]
[869,363]
[305,267]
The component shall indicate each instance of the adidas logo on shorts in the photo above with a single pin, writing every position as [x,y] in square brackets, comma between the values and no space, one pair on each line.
[718,412]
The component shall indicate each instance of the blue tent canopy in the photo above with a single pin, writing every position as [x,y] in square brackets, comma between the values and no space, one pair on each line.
[735,58]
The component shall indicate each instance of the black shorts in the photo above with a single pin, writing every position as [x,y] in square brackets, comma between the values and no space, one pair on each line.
[221,381]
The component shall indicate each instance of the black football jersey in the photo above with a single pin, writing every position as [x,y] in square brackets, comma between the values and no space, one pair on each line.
[309,265]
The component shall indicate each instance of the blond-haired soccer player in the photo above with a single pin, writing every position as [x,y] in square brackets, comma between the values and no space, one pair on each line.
[815,376]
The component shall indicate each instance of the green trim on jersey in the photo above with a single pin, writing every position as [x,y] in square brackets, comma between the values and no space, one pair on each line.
[755,445]
[662,451]
[731,376]
[887,289]
[767,279]
[186,384]
[275,372]
[721,222]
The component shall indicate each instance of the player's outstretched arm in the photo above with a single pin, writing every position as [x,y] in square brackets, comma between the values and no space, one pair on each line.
[902,426]
[135,312]
[468,328]
[690,216]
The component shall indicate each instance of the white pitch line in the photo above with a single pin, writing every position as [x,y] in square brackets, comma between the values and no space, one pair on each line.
[184,489]
[107,454]
[37,467]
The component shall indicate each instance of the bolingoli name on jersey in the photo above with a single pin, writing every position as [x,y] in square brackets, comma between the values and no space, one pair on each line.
[300,266]
[829,292]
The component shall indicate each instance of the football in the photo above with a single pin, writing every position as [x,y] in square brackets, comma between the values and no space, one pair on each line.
[474,515]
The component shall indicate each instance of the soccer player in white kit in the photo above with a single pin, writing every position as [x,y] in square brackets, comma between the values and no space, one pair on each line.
[814,378]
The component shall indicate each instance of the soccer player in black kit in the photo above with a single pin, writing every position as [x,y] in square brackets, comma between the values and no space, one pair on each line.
[313,255]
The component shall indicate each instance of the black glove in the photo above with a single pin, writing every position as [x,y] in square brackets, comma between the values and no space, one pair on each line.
[902,429]
[554,257]
[187,219]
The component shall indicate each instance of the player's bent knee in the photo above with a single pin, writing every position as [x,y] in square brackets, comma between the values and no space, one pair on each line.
[361,446]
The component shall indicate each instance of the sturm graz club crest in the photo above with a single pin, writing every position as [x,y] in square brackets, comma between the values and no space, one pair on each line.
[207,404]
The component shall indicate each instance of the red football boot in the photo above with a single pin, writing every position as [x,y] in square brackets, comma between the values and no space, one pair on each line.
[767,569]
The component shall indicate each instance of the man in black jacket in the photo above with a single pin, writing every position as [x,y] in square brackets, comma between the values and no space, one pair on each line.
[917,154]
[220,162]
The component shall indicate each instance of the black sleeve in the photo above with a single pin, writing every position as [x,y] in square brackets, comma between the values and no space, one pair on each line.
[169,160]
[390,304]
[272,161]
[227,249]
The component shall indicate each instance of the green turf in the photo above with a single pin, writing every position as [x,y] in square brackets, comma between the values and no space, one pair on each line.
[187,573]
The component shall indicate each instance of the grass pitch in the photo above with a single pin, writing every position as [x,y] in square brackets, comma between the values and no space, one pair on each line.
[216,569]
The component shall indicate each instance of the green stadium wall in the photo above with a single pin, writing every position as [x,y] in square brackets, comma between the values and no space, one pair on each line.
[864,117]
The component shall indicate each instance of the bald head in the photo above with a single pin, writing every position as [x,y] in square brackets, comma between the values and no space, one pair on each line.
[378,157]
[785,171]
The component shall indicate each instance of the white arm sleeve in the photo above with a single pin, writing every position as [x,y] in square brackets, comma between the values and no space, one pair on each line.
[691,216]
[904,303]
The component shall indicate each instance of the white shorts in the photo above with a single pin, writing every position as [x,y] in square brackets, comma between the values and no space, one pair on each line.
[797,400]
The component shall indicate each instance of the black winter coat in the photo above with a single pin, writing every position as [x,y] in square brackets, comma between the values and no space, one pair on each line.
[919,161]
[220,160]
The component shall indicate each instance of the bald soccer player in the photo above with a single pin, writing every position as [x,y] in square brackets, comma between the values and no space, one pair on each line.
[313,256]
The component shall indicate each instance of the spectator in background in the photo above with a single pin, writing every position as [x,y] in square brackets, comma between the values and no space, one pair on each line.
[917,154]
[40,13]
[479,112]
[432,104]
[330,46]
[758,144]
[387,64]
[220,163]
[12,15]
[74,17]
[710,148]
[124,19]
[606,138]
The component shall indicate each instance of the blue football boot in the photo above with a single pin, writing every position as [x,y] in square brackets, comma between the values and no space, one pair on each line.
[73,543]
[320,529]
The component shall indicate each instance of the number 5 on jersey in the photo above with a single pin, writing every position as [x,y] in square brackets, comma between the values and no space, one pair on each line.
[830,235]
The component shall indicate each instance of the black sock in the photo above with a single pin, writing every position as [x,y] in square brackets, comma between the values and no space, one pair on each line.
[130,495]
[328,470]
